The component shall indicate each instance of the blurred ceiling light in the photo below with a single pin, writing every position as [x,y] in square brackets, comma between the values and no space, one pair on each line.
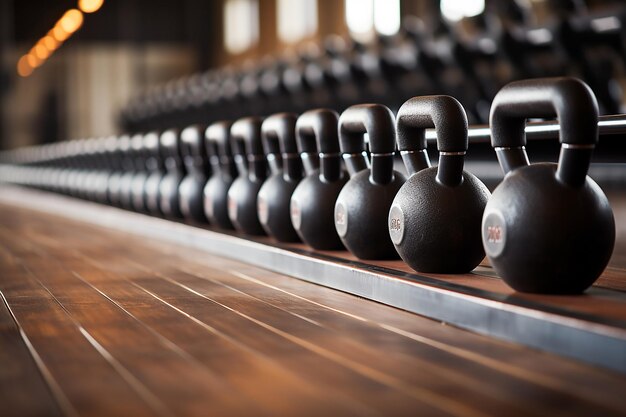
[241,25]
[33,62]
[456,10]
[49,42]
[60,34]
[23,67]
[90,6]
[297,19]
[387,16]
[41,51]
[71,21]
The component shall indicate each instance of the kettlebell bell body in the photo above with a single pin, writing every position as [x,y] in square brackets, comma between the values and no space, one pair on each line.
[123,165]
[156,171]
[126,180]
[548,228]
[138,183]
[363,204]
[435,218]
[279,144]
[217,144]
[190,191]
[242,195]
[168,188]
[312,203]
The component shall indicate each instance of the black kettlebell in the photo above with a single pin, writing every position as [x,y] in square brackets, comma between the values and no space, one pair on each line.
[123,165]
[245,135]
[363,204]
[190,192]
[217,144]
[434,221]
[279,142]
[313,201]
[548,228]
[127,179]
[138,184]
[168,188]
[156,172]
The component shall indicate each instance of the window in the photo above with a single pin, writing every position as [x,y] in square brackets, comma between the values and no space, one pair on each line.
[458,9]
[364,17]
[297,19]
[241,25]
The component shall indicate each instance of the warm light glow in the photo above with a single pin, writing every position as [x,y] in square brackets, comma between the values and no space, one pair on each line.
[32,60]
[456,10]
[71,21]
[90,6]
[297,19]
[49,42]
[241,25]
[387,16]
[23,67]
[60,34]
[41,51]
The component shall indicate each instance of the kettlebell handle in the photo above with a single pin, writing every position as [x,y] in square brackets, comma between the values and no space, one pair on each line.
[448,117]
[170,149]
[377,122]
[247,147]
[316,135]
[217,146]
[192,147]
[279,141]
[570,100]
[151,145]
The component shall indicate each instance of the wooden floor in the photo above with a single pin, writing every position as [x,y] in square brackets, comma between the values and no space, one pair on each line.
[101,323]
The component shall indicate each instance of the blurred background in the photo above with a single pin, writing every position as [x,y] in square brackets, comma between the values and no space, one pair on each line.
[87,68]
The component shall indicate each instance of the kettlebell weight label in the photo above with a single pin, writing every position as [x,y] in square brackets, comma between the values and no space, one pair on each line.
[296,217]
[341,219]
[232,208]
[208,203]
[494,233]
[396,224]
[262,210]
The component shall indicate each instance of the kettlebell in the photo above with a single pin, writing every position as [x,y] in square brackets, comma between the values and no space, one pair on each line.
[363,204]
[279,143]
[138,184]
[127,179]
[548,228]
[435,218]
[313,201]
[168,188]
[245,135]
[217,145]
[123,165]
[102,180]
[156,172]
[190,192]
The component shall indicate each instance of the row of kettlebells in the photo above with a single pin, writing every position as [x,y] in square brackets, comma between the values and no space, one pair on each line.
[547,227]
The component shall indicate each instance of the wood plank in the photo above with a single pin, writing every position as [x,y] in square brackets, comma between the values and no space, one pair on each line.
[23,389]
[64,351]
[348,336]
[147,358]
[347,330]
[243,338]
